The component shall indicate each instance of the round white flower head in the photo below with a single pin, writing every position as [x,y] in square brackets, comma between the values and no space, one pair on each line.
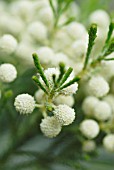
[8,73]
[61,57]
[61,99]
[38,31]
[39,94]
[64,114]
[108,142]
[46,16]
[76,30]
[101,18]
[89,128]
[49,75]
[50,127]
[110,100]
[78,48]
[70,89]
[102,111]
[89,104]
[24,103]
[88,146]
[24,52]
[8,44]
[98,86]
[46,55]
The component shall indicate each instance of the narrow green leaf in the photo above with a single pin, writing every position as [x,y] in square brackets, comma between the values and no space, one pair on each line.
[92,36]
[111,28]
[52,7]
[71,19]
[110,48]
[75,79]
[36,80]
[62,71]
[66,75]
[39,68]
[108,59]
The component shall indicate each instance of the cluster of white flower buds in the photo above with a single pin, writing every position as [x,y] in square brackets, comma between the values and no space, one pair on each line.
[29,26]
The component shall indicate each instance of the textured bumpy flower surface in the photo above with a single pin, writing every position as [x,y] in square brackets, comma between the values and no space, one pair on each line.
[50,127]
[108,142]
[64,114]
[88,146]
[98,86]
[8,44]
[24,103]
[89,128]
[8,73]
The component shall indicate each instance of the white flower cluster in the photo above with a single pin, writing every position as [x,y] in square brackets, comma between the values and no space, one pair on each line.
[8,73]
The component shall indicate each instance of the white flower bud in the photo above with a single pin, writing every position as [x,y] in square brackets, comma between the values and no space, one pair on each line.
[70,89]
[67,100]
[110,100]
[98,86]
[24,103]
[8,44]
[89,128]
[24,53]
[76,30]
[46,55]
[61,57]
[46,16]
[38,31]
[89,104]
[8,73]
[88,146]
[39,94]
[101,18]
[64,114]
[102,111]
[50,127]
[108,142]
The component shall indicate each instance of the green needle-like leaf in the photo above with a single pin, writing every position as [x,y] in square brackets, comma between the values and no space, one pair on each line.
[66,75]
[92,36]
[36,80]
[110,48]
[75,79]
[111,28]
[39,68]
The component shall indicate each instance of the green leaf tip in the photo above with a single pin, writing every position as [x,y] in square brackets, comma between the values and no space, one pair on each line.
[39,68]
[92,36]
[36,80]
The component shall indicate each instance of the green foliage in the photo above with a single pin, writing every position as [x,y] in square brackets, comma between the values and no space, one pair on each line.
[92,36]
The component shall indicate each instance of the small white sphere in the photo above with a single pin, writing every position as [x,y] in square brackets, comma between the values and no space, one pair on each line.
[67,100]
[8,73]
[46,16]
[102,111]
[64,114]
[76,30]
[88,146]
[46,55]
[50,127]
[108,142]
[98,86]
[70,89]
[79,49]
[100,17]
[8,44]
[24,52]
[38,31]
[39,94]
[110,100]
[61,57]
[89,128]
[89,104]
[24,103]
